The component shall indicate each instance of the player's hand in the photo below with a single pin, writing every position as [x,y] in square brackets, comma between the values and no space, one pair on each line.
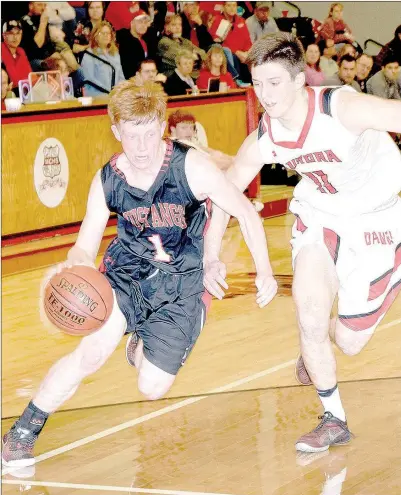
[214,278]
[267,289]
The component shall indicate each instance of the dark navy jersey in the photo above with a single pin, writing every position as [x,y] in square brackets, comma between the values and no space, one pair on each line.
[164,225]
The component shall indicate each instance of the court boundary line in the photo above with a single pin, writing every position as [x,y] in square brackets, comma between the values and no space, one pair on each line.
[111,488]
[170,408]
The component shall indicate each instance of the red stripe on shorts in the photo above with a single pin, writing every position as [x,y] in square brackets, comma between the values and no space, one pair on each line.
[332,241]
[300,226]
[379,285]
[368,320]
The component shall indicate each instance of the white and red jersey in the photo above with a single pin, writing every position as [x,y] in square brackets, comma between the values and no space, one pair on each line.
[342,174]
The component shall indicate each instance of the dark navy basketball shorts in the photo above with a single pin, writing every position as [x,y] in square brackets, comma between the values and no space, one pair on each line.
[166,310]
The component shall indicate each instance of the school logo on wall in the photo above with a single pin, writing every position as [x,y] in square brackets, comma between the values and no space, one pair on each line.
[51,172]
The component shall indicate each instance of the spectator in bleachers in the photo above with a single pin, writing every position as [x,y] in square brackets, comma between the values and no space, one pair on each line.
[61,18]
[103,45]
[182,126]
[386,83]
[260,23]
[172,43]
[35,34]
[161,11]
[13,56]
[327,52]
[314,76]
[6,87]
[62,47]
[193,28]
[393,46]
[94,16]
[137,43]
[346,49]
[335,28]
[56,63]
[364,64]
[346,74]
[119,14]
[180,80]
[147,71]
[232,32]
[215,67]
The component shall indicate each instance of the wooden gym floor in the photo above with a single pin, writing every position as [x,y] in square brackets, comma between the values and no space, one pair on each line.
[229,424]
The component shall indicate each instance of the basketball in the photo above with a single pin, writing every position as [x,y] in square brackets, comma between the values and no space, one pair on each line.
[78,300]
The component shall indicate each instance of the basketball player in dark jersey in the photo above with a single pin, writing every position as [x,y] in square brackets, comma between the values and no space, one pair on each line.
[161,192]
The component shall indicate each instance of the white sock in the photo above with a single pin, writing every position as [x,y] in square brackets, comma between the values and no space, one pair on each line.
[332,403]
[333,486]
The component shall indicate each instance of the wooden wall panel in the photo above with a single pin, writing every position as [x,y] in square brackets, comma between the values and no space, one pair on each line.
[89,143]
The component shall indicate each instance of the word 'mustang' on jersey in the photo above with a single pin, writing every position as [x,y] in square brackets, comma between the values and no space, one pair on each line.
[157,216]
[317,156]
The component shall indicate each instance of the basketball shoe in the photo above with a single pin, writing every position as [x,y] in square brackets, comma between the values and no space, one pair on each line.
[18,446]
[130,348]
[301,373]
[331,431]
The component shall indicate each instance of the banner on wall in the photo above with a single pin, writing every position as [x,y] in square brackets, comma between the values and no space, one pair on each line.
[51,172]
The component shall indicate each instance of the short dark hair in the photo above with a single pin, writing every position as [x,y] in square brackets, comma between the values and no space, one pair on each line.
[146,61]
[346,58]
[390,58]
[88,4]
[278,47]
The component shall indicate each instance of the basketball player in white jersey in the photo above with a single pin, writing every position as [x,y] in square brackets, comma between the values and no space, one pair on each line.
[347,232]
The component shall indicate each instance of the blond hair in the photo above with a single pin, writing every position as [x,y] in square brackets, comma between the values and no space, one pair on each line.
[94,43]
[183,53]
[282,48]
[169,19]
[335,5]
[208,61]
[141,104]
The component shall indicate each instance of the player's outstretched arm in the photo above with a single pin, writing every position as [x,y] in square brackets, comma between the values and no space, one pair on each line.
[207,181]
[246,165]
[91,232]
[359,112]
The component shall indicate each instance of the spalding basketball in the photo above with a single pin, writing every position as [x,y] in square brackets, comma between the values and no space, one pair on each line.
[78,300]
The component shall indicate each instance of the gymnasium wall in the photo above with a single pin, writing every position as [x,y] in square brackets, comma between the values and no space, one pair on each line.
[376,20]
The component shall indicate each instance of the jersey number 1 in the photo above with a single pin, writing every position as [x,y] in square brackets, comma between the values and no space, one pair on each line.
[161,254]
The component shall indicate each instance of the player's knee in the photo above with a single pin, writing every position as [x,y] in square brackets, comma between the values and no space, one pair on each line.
[349,346]
[92,359]
[152,389]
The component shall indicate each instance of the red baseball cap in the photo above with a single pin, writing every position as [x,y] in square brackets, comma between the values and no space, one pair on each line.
[139,14]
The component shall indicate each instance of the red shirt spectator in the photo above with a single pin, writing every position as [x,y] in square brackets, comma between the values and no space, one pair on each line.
[203,80]
[215,67]
[13,56]
[334,27]
[119,14]
[238,38]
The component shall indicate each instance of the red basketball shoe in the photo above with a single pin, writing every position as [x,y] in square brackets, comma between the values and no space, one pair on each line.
[331,431]
[18,446]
